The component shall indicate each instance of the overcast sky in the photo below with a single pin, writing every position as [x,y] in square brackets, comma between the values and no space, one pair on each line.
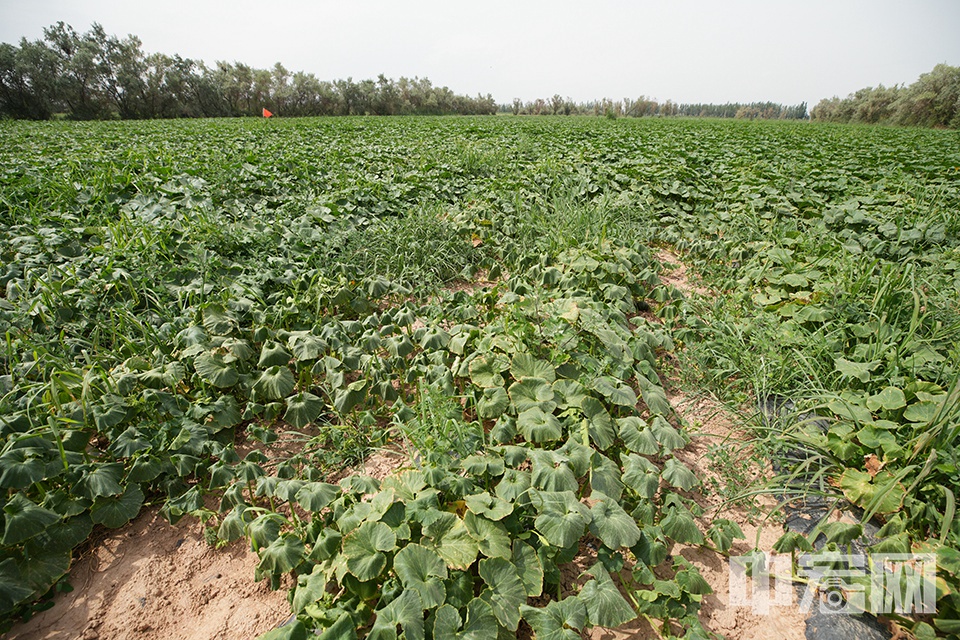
[684,50]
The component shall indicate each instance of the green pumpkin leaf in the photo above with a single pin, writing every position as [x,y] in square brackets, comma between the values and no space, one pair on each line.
[599,423]
[493,403]
[947,625]
[668,437]
[64,535]
[212,368]
[12,586]
[283,555]
[790,542]
[450,538]
[315,496]
[513,485]
[921,412]
[859,370]
[483,464]
[579,457]
[654,396]
[889,398]
[306,346]
[562,518]
[605,606]
[239,349]
[485,370]
[856,485]
[145,469]
[505,429]
[529,568]
[217,320]
[679,475]
[483,504]
[641,475]
[689,578]
[723,532]
[506,591]
[532,393]
[605,476]
[344,400]
[343,629]
[302,409]
[24,519]
[842,533]
[406,612]
[233,525]
[364,549]
[680,526]
[481,624]
[293,631]
[264,530]
[610,523]
[637,436]
[100,480]
[615,391]
[569,393]
[44,567]
[888,495]
[559,620]
[446,622]
[434,339]
[538,426]
[525,365]
[22,468]
[422,569]
[114,512]
[491,537]
[551,472]
[273,355]
[275,383]
[223,414]
[310,589]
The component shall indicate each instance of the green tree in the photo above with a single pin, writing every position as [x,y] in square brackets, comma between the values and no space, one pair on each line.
[80,70]
[28,75]
[933,100]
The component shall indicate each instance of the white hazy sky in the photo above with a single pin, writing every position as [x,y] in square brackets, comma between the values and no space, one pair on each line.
[684,50]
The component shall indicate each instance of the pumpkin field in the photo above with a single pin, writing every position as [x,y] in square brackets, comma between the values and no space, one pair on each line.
[223,319]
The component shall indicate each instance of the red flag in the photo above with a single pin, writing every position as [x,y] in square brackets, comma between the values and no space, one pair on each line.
[266,114]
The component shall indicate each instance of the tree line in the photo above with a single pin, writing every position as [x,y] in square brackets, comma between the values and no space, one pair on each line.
[644,106]
[932,101]
[93,75]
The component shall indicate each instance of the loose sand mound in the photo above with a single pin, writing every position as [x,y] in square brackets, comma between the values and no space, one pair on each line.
[151,580]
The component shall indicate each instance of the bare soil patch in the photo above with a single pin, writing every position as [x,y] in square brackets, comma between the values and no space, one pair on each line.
[153,581]
[716,426]
[675,273]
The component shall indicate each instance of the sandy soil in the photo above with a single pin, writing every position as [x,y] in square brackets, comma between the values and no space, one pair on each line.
[151,580]
[675,273]
[735,623]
